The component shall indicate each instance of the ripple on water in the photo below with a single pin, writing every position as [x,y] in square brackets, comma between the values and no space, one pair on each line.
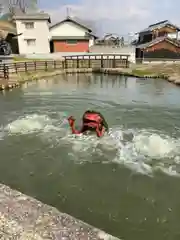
[142,151]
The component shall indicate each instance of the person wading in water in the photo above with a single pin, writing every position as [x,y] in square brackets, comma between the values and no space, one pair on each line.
[92,121]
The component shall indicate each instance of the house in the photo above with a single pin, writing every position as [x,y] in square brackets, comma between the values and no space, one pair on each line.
[160,29]
[71,36]
[159,40]
[33,30]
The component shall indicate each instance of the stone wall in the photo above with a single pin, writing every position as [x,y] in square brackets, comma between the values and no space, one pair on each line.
[24,218]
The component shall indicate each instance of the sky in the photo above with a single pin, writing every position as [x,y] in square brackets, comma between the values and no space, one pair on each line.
[122,17]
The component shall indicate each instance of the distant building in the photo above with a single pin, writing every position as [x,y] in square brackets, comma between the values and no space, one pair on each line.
[71,36]
[34,30]
[159,40]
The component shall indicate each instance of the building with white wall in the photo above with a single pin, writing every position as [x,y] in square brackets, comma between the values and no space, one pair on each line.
[71,36]
[33,33]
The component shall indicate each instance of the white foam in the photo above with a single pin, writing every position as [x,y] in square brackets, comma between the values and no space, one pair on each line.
[153,145]
[149,152]
[142,151]
[2,134]
[29,124]
[104,236]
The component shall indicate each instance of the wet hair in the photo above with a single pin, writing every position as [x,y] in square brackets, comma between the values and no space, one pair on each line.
[87,128]
[104,123]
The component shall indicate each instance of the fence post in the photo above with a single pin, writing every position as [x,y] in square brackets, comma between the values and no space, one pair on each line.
[114,62]
[15,66]
[34,65]
[102,65]
[6,71]
[25,66]
[127,62]
[89,62]
[65,63]
[78,62]
[46,68]
[54,64]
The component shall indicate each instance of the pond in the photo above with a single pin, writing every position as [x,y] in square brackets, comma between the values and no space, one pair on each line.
[126,183]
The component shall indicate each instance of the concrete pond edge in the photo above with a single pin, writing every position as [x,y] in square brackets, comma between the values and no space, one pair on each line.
[25,218]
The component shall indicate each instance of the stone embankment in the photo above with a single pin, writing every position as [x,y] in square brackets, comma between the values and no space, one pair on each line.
[167,71]
[24,218]
[15,80]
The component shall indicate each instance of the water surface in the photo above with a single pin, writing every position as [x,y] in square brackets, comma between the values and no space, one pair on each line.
[126,183]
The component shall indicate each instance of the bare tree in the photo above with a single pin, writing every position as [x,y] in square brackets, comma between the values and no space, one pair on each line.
[21,5]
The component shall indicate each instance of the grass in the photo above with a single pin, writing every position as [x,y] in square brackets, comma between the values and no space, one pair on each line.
[23,59]
[142,72]
[162,69]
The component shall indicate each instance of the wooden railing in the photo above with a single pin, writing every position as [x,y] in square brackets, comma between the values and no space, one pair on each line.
[69,62]
[4,71]
[29,66]
[32,66]
[97,61]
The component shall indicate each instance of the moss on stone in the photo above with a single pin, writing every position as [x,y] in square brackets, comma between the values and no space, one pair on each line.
[143,72]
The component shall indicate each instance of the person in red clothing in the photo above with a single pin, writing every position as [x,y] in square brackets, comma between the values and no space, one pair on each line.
[92,121]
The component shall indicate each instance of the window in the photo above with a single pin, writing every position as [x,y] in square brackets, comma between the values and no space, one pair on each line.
[31,42]
[71,41]
[29,25]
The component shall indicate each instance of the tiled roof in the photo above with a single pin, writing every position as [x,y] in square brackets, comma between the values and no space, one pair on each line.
[77,22]
[32,16]
[159,25]
[69,38]
[155,41]
[74,21]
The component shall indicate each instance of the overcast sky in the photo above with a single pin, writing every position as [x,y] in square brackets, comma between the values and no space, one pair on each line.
[115,16]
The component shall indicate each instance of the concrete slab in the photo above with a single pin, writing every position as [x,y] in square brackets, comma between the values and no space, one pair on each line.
[25,218]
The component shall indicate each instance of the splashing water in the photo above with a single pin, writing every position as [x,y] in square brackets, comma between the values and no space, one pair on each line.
[149,152]
[29,124]
[35,123]
[142,151]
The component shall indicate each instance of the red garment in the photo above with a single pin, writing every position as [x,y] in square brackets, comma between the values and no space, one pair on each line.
[94,117]
[91,121]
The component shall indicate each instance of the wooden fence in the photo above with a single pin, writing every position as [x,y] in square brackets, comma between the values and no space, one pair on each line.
[69,62]
[97,61]
[29,66]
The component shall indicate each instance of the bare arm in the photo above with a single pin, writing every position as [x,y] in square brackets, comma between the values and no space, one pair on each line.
[74,130]
[72,125]
[99,132]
